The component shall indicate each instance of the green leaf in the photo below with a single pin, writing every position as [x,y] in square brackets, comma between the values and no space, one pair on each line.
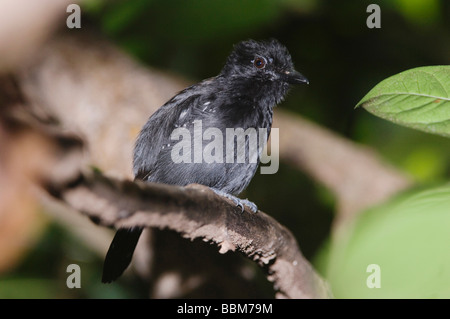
[418,98]
[408,238]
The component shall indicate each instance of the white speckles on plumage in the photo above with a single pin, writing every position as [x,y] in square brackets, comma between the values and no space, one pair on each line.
[182,115]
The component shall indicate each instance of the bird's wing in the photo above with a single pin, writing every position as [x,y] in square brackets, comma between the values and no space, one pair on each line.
[156,132]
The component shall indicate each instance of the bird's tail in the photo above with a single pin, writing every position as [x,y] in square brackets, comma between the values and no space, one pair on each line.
[120,253]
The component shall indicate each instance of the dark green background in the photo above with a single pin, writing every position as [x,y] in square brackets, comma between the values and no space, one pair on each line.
[329,43]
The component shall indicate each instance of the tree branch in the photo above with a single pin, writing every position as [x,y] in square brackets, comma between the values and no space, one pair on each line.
[197,212]
[25,25]
[354,173]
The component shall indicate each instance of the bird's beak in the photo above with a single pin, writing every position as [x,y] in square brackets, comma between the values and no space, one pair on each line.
[294,77]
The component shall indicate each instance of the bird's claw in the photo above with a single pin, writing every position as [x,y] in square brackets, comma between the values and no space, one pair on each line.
[241,203]
[250,205]
[237,201]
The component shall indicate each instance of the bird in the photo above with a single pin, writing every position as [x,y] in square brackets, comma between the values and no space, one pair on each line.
[256,77]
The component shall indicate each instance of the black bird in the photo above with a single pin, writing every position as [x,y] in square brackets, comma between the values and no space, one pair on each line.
[255,78]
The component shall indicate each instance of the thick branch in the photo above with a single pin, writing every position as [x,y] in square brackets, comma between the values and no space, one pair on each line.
[24,26]
[354,173]
[197,212]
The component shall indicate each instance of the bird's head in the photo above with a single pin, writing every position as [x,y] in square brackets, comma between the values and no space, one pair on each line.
[265,61]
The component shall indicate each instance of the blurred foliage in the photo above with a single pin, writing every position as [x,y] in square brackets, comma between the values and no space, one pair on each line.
[343,59]
[407,237]
[419,12]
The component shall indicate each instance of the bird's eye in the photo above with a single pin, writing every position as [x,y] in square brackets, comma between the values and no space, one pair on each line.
[260,63]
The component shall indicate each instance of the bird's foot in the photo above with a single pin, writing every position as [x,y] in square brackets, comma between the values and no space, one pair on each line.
[249,204]
[237,201]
